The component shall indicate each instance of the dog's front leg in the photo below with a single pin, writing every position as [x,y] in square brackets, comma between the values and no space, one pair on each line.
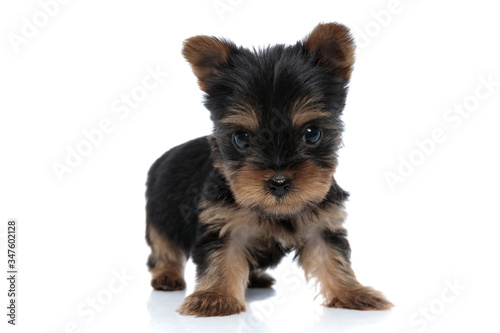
[325,256]
[222,275]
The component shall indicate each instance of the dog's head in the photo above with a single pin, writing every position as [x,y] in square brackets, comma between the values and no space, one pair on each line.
[276,115]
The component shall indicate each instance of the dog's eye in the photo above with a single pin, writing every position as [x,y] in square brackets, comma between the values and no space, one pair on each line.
[312,135]
[241,140]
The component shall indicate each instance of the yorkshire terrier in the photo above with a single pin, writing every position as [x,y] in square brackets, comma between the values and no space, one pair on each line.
[262,184]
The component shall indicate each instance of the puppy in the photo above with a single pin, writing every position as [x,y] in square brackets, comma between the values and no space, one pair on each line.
[262,184]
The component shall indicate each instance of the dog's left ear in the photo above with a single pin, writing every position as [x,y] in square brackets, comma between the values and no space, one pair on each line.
[334,48]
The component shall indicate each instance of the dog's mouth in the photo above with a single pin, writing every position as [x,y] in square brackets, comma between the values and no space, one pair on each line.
[284,206]
[285,193]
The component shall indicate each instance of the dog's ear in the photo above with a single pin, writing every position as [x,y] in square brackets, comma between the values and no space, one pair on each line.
[207,56]
[333,47]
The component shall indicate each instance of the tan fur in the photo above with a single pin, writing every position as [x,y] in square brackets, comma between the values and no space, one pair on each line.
[229,270]
[335,277]
[210,303]
[249,233]
[334,45]
[300,219]
[233,220]
[221,290]
[330,217]
[307,110]
[310,184]
[226,219]
[242,116]
[206,56]
[168,271]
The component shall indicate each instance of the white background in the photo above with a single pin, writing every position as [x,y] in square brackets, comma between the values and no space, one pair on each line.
[436,227]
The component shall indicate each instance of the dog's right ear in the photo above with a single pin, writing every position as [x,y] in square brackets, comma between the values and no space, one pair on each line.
[207,56]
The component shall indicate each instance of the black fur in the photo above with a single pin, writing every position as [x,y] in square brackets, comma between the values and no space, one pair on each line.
[271,80]
[276,114]
[339,241]
[174,186]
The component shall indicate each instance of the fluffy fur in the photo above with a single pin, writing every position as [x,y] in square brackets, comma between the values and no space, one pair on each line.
[237,208]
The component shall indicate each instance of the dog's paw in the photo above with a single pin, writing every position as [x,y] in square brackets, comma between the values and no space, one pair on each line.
[260,280]
[210,304]
[168,281]
[362,298]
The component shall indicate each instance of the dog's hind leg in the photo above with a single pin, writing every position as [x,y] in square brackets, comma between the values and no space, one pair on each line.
[166,262]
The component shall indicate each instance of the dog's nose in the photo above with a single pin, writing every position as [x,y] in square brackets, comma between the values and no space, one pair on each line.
[279,185]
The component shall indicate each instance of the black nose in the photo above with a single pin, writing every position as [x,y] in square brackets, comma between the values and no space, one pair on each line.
[279,185]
